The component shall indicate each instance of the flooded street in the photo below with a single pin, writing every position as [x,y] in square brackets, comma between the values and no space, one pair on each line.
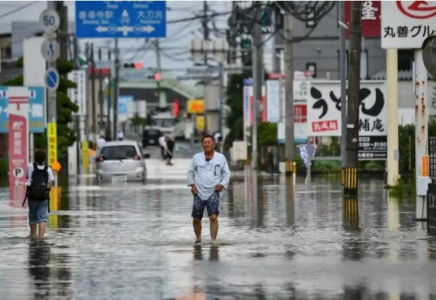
[136,242]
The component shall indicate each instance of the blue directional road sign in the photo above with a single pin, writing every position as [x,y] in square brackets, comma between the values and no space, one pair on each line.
[122,104]
[52,79]
[122,19]
[36,109]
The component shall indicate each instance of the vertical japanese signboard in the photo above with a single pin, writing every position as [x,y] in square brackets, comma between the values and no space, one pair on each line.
[371,11]
[85,155]
[52,143]
[406,24]
[273,101]
[300,113]
[248,102]
[78,94]
[18,123]
[324,115]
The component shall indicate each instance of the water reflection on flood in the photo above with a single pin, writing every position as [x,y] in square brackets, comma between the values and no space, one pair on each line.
[276,241]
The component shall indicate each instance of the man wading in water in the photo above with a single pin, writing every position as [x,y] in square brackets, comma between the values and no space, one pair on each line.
[208,175]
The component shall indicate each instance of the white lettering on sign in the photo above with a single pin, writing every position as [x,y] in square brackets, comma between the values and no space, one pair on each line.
[368,11]
[17,125]
[36,111]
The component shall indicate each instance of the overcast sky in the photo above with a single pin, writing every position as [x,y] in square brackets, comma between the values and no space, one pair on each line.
[178,35]
[175,48]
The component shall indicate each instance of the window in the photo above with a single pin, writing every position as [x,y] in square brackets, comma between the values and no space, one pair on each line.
[312,68]
[118,152]
[165,123]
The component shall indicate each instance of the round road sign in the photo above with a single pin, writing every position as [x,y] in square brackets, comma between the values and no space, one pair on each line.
[50,50]
[51,79]
[49,20]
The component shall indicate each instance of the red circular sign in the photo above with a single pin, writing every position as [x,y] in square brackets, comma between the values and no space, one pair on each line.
[418,9]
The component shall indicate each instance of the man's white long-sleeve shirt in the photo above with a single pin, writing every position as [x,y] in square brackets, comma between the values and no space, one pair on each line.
[206,175]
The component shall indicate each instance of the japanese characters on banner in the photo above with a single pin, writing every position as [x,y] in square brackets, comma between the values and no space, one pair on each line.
[36,109]
[52,143]
[300,113]
[324,115]
[406,24]
[85,155]
[247,99]
[273,101]
[78,95]
[371,11]
[18,110]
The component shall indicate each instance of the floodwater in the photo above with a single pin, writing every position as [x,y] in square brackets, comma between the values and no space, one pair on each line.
[136,242]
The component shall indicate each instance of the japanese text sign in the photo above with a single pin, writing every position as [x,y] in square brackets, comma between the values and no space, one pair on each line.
[18,136]
[406,24]
[371,11]
[195,106]
[324,108]
[85,155]
[78,95]
[52,143]
[36,109]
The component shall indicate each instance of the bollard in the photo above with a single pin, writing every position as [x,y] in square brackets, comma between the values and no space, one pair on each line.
[294,173]
[349,181]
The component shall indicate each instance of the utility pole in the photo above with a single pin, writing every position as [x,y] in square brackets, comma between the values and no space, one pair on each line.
[115,92]
[109,100]
[78,119]
[257,77]
[342,63]
[161,96]
[289,96]
[206,38]
[350,184]
[100,93]
[94,106]
[205,28]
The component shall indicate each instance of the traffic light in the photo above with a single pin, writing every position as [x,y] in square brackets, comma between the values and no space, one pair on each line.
[156,77]
[137,65]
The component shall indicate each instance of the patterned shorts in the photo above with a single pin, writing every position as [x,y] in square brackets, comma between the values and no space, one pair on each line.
[212,205]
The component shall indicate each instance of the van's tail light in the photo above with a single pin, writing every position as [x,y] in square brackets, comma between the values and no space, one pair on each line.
[99,159]
[137,157]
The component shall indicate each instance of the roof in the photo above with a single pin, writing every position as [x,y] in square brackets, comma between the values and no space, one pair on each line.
[403,75]
[121,143]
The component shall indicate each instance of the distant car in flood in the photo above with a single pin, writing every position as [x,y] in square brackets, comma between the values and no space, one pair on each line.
[150,137]
[121,161]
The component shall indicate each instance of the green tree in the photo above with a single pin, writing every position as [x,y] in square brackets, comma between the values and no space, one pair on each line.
[65,108]
[138,121]
[235,118]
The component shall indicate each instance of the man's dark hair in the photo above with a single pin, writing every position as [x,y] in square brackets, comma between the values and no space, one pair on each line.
[40,157]
[207,136]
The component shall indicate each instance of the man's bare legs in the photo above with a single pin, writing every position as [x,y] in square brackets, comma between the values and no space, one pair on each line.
[213,227]
[41,230]
[197,228]
[33,229]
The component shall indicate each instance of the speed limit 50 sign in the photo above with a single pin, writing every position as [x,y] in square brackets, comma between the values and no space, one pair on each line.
[49,20]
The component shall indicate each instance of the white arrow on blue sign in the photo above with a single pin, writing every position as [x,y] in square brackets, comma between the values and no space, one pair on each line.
[52,79]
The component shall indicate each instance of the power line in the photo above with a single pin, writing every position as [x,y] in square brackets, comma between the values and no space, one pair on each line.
[18,9]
